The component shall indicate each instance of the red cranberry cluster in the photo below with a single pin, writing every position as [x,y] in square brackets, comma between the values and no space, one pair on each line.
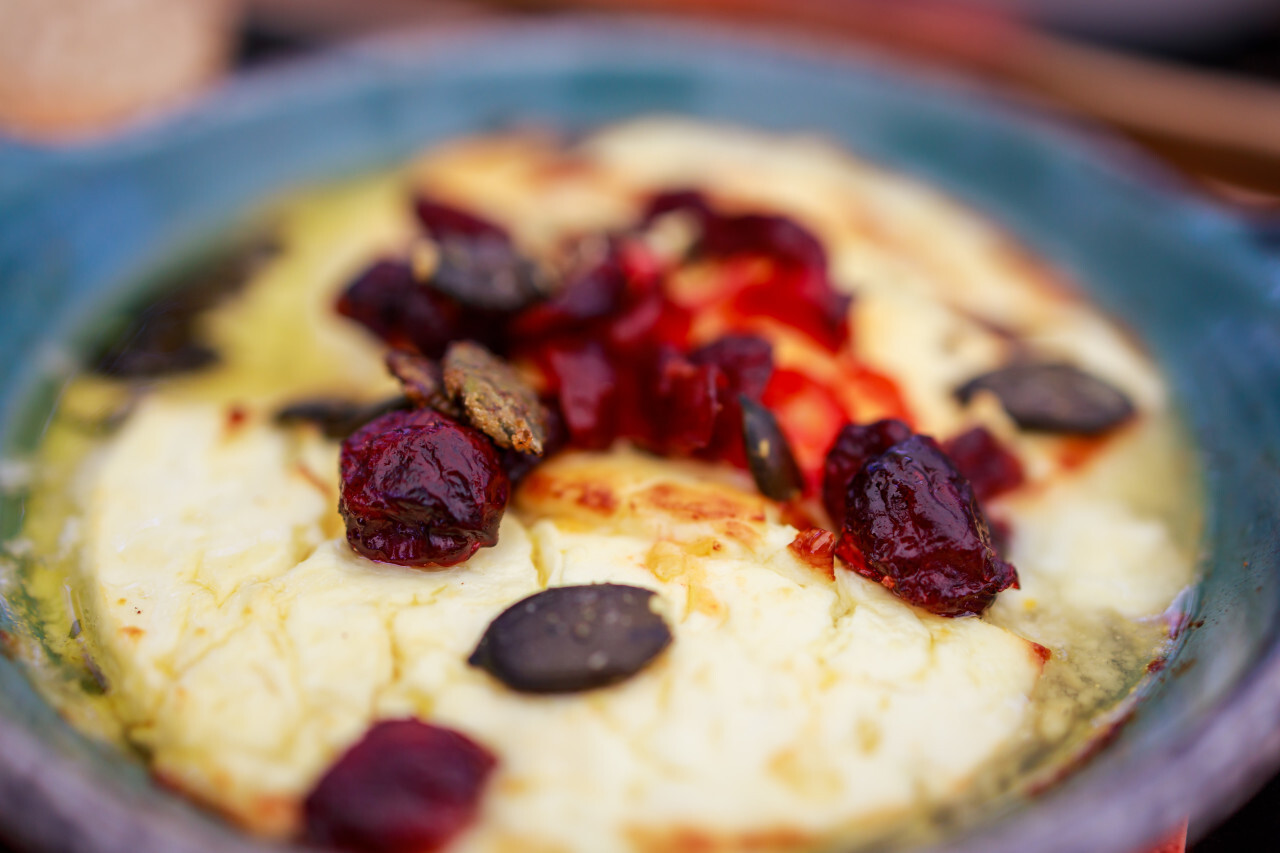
[614,349]
[795,291]
[618,360]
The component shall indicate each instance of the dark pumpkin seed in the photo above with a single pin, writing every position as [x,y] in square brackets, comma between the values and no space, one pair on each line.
[572,638]
[422,380]
[337,418]
[494,397]
[1053,397]
[161,337]
[769,455]
[485,271]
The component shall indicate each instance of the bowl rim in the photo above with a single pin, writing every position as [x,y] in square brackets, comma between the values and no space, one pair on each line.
[1206,768]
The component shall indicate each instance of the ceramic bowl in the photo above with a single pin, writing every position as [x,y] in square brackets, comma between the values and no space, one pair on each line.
[81,225]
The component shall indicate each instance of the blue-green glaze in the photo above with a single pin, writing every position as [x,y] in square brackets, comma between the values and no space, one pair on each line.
[79,225]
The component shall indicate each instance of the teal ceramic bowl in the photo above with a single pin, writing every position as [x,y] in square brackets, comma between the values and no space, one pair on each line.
[79,226]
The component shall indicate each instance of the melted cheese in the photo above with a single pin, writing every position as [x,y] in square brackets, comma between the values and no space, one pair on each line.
[251,645]
[247,645]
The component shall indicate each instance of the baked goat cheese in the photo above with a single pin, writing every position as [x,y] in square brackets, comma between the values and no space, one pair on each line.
[251,645]
[248,646]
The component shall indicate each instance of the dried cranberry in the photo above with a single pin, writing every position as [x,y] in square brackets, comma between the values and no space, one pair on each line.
[688,402]
[855,446]
[405,787]
[811,413]
[597,289]
[989,466]
[738,234]
[914,526]
[650,321]
[442,220]
[763,234]
[816,547]
[645,344]
[802,298]
[419,489]
[486,273]
[798,292]
[587,387]
[390,302]
[642,267]
[745,360]
[745,363]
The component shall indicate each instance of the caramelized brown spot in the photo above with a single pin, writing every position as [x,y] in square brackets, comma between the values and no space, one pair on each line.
[8,645]
[132,631]
[598,498]
[690,503]
[817,548]
[236,418]
[542,487]
[1077,450]
[693,840]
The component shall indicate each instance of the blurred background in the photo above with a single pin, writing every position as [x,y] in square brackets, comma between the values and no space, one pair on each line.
[1194,82]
